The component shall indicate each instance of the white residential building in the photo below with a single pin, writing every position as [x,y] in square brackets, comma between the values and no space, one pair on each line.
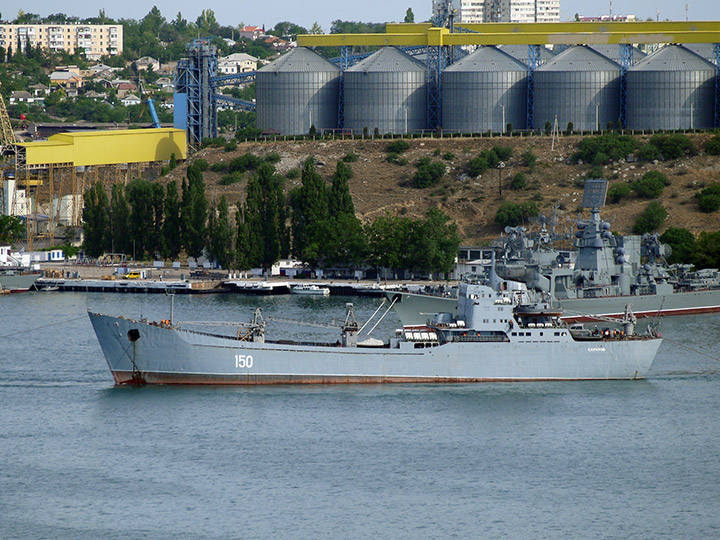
[519,11]
[95,39]
[237,63]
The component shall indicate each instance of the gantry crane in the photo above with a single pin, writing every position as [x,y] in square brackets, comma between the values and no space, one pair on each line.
[7,136]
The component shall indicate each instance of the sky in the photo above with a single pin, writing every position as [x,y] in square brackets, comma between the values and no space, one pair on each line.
[306,12]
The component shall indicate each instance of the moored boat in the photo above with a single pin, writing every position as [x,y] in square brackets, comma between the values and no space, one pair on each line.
[309,289]
[494,339]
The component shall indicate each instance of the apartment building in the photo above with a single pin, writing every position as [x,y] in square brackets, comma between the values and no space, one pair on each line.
[95,39]
[519,11]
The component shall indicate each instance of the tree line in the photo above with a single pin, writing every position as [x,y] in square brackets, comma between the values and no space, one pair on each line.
[315,222]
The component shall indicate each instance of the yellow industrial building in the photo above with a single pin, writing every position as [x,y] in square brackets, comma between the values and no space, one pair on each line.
[101,148]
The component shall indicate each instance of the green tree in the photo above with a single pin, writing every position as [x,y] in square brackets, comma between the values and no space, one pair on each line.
[708,250]
[12,229]
[435,242]
[512,214]
[682,243]
[96,220]
[409,16]
[388,238]
[119,219]
[242,242]
[139,195]
[194,212]
[339,198]
[155,240]
[172,227]
[309,205]
[264,217]
[221,248]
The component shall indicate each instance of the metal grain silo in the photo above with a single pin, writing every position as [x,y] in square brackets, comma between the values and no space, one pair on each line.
[706,50]
[386,92]
[485,90]
[521,53]
[580,86]
[612,51]
[673,88]
[296,91]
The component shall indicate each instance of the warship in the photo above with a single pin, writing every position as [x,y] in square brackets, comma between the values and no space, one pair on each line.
[608,273]
[495,339]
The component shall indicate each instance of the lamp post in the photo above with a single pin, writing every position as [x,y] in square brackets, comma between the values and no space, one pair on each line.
[500,167]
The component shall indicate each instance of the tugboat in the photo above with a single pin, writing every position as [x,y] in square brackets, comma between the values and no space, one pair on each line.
[493,339]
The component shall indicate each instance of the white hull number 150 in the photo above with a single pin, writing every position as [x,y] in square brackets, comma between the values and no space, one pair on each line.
[243,361]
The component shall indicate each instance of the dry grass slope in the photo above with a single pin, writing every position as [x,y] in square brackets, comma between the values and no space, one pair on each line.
[379,186]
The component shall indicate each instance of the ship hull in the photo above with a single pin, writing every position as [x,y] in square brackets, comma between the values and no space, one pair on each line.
[165,355]
[416,309]
[18,282]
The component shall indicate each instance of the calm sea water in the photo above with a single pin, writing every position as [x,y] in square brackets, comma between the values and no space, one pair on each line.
[80,458]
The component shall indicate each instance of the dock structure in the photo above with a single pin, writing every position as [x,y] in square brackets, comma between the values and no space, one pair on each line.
[132,286]
[249,287]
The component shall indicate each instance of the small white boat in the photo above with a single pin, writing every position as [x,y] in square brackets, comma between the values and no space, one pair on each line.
[308,289]
[49,288]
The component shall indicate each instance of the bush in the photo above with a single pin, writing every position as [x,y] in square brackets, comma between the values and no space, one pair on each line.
[712,147]
[673,145]
[491,157]
[215,142]
[201,164]
[512,214]
[709,198]
[518,181]
[651,219]
[570,128]
[232,178]
[429,173]
[610,146]
[477,166]
[651,185]
[293,173]
[448,156]
[399,146]
[246,162]
[648,152]
[231,145]
[273,157]
[350,157]
[595,172]
[529,159]
[548,128]
[220,166]
[392,157]
[503,152]
[617,191]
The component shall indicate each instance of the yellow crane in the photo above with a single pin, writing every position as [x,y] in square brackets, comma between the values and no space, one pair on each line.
[7,136]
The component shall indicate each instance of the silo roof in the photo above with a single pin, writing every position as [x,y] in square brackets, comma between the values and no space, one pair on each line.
[673,58]
[487,59]
[300,59]
[388,59]
[612,51]
[520,52]
[706,50]
[580,58]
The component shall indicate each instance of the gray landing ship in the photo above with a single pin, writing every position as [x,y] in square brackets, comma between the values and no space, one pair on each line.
[607,275]
[494,339]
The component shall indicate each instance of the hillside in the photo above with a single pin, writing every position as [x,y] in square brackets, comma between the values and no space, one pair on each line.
[379,186]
